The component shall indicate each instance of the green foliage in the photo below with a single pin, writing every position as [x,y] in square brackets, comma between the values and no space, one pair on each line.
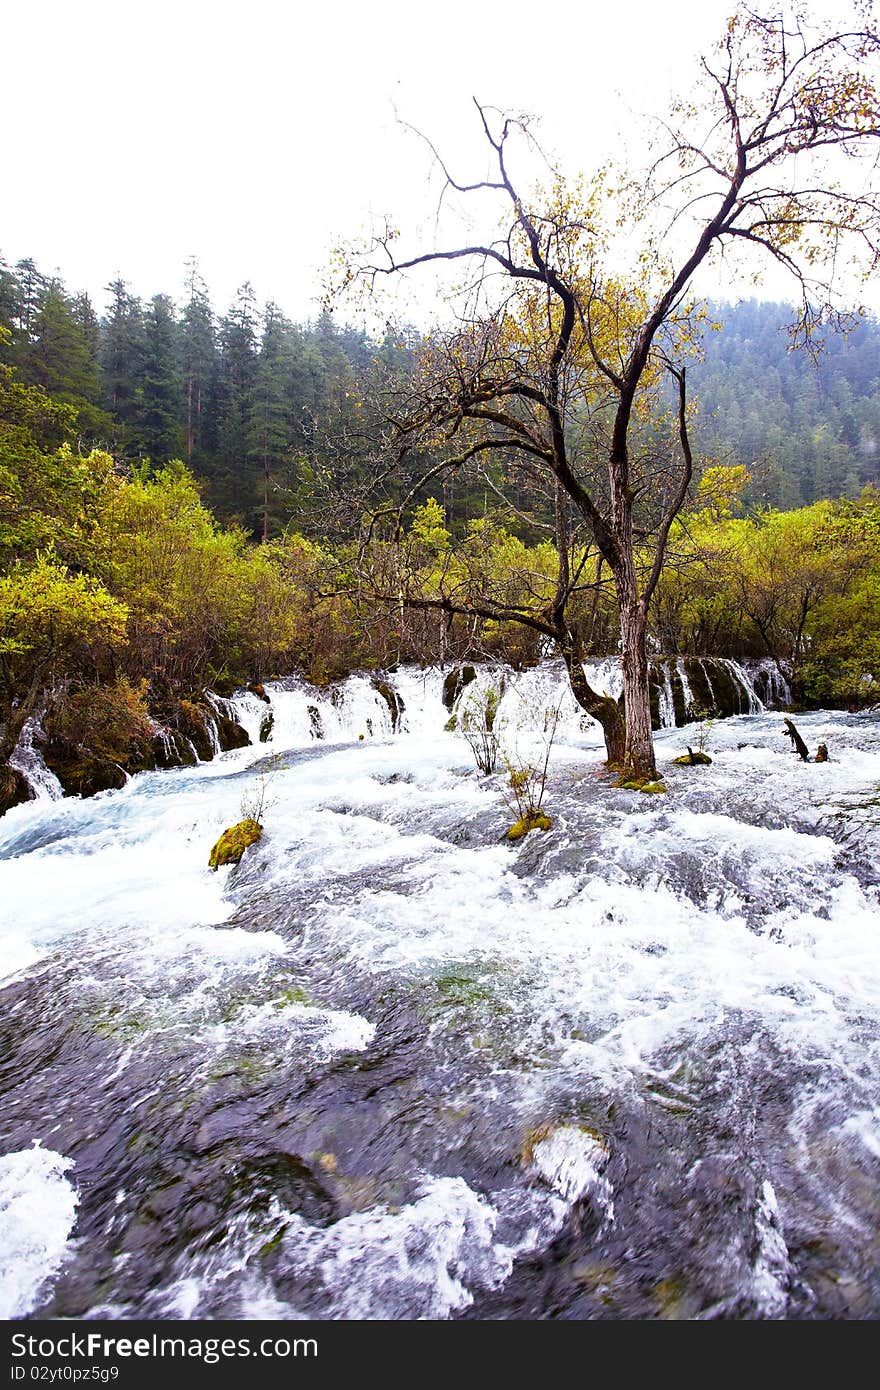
[46,612]
[52,623]
[801,587]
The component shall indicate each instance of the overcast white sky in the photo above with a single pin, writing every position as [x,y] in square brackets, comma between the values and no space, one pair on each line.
[257,135]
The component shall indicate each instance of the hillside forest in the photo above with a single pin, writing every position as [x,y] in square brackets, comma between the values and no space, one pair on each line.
[181,496]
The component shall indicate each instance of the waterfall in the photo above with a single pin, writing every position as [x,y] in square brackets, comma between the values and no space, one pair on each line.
[769,686]
[689,703]
[28,760]
[743,687]
[665,700]
[356,709]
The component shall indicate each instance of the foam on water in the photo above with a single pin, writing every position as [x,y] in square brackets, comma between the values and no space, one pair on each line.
[37,1214]
[613,955]
[572,1162]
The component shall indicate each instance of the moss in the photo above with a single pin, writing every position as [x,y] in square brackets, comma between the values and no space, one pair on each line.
[233,843]
[270,1246]
[462,990]
[648,784]
[690,759]
[532,820]
[117,1024]
[293,995]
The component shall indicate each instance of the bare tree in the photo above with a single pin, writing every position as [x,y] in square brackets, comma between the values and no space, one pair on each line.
[557,368]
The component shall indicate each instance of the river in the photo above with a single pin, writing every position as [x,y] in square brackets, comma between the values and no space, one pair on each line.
[393,1066]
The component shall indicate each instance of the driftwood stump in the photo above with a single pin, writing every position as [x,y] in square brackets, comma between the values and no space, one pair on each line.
[798,744]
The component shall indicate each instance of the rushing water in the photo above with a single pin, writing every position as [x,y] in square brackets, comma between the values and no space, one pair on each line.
[392,1066]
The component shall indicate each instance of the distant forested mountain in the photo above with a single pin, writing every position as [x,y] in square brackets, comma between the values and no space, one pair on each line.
[277,419]
[805,429]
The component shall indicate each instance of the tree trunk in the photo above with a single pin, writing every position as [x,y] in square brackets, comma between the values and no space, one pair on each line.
[638,757]
[601,707]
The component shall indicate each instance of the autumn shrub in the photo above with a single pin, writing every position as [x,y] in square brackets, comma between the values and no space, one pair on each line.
[108,722]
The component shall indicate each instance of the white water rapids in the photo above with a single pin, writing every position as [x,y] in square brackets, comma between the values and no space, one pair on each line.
[393,1066]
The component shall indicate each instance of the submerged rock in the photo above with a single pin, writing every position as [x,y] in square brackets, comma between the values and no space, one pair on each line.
[233,843]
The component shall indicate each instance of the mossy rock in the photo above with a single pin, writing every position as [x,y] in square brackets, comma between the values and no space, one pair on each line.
[690,759]
[230,733]
[652,785]
[81,773]
[393,701]
[233,843]
[190,720]
[455,682]
[535,820]
[181,754]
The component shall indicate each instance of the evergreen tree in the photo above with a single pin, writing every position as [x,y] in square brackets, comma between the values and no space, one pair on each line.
[199,362]
[160,432]
[59,356]
[31,289]
[271,426]
[233,485]
[122,362]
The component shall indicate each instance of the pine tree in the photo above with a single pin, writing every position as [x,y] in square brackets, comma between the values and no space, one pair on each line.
[232,481]
[199,360]
[271,425]
[122,349]
[161,398]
